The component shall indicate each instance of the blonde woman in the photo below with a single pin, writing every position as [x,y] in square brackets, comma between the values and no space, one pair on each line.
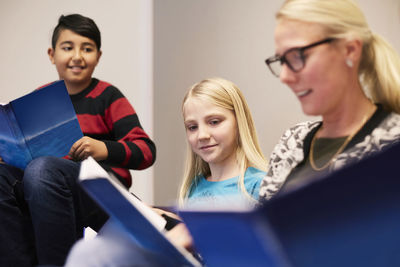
[339,70]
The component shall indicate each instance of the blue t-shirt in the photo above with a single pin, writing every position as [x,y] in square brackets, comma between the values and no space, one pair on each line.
[225,193]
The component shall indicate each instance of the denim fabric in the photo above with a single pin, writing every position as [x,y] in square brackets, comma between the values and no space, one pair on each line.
[59,208]
[16,234]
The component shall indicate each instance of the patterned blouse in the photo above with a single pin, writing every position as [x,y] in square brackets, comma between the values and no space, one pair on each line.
[380,131]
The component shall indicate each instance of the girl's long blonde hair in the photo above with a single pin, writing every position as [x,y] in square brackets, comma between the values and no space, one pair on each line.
[379,70]
[225,94]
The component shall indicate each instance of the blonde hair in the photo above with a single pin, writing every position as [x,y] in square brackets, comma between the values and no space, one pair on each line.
[380,64]
[225,94]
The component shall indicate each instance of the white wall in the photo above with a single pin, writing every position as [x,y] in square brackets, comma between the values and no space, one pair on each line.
[126,28]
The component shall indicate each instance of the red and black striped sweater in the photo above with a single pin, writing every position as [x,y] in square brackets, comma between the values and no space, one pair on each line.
[105,114]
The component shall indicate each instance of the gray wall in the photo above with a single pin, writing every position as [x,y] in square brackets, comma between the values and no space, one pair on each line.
[228,38]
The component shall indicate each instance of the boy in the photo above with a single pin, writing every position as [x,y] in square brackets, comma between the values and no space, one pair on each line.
[58,208]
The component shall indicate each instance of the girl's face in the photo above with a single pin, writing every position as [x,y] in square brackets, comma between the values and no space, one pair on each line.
[211,131]
[75,58]
[320,85]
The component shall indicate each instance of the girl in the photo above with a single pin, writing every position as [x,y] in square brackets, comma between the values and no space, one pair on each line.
[224,165]
[224,159]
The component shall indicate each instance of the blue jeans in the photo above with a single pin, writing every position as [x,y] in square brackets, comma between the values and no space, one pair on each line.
[59,209]
[16,234]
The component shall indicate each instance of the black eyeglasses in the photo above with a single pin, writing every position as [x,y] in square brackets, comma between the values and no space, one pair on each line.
[293,58]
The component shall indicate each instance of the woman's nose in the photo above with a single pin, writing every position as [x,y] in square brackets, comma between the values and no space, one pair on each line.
[287,76]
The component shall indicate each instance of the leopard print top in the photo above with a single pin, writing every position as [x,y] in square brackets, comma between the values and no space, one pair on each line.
[289,151]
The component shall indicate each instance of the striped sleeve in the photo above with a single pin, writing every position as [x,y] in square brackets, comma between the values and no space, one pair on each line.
[118,126]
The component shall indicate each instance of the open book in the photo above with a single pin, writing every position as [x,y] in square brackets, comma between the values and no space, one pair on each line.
[348,218]
[143,225]
[41,123]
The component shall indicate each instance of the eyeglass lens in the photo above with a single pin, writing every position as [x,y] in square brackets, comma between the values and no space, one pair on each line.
[293,58]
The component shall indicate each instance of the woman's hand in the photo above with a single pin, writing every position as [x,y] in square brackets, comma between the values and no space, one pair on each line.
[180,236]
[170,214]
[85,147]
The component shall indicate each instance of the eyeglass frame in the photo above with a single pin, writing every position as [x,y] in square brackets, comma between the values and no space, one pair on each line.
[301,50]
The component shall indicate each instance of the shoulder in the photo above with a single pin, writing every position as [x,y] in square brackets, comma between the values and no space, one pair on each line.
[293,138]
[104,89]
[392,120]
[384,135]
[252,180]
[387,132]
[107,85]
[254,172]
[198,182]
[287,153]
[254,175]
[44,85]
[300,130]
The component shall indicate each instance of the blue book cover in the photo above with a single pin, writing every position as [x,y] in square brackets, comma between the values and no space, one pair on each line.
[41,123]
[234,238]
[137,221]
[348,218]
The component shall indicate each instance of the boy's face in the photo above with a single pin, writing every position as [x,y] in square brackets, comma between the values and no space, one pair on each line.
[75,58]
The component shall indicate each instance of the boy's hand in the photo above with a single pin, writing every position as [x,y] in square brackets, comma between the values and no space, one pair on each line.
[1,161]
[85,147]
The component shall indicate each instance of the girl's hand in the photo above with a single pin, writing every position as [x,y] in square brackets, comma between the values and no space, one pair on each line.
[85,147]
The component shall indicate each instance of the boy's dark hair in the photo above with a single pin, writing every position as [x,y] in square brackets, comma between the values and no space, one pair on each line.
[78,24]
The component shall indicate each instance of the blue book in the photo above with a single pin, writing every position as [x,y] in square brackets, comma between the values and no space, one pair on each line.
[234,238]
[41,123]
[348,218]
[132,218]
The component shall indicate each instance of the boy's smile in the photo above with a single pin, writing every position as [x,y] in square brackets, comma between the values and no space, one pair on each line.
[75,58]
[76,69]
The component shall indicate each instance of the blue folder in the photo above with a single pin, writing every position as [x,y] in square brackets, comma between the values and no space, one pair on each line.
[349,218]
[41,123]
[127,218]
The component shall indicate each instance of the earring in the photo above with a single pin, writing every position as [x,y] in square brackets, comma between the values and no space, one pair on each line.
[349,63]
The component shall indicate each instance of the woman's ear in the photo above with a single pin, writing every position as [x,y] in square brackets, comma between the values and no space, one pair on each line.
[353,50]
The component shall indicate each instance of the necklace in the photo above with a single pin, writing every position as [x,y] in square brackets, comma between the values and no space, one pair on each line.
[340,150]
